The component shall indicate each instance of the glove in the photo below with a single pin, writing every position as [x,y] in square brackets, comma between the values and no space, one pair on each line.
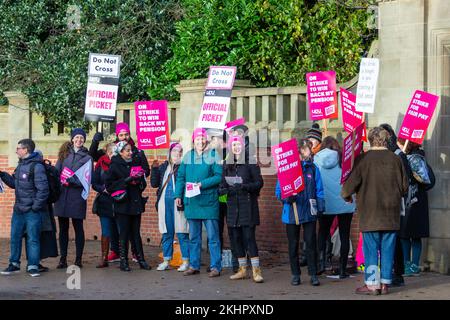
[98,137]
[72,180]
[291,199]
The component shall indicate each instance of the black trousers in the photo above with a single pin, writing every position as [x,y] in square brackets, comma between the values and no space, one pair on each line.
[222,217]
[243,240]
[345,222]
[130,231]
[309,236]
[399,265]
[64,236]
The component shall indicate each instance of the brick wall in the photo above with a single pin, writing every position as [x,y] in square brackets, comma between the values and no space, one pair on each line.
[271,235]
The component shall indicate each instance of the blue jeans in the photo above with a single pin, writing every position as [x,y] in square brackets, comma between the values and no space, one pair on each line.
[167,238]
[29,223]
[107,225]
[374,243]
[195,243]
[416,245]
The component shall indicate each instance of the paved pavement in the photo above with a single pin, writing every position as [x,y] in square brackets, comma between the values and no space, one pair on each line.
[111,283]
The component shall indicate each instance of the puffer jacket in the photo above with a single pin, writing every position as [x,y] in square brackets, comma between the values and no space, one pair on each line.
[31,195]
[313,191]
[327,161]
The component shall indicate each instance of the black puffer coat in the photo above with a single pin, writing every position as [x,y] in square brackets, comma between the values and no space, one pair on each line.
[242,204]
[133,203]
[103,201]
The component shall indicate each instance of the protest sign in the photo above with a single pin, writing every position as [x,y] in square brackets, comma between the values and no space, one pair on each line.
[221,77]
[352,147]
[350,117]
[66,173]
[289,167]
[322,98]
[101,102]
[418,116]
[104,65]
[152,126]
[367,85]
[214,112]
[102,88]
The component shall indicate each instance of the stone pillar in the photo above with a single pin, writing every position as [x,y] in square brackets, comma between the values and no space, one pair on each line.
[19,122]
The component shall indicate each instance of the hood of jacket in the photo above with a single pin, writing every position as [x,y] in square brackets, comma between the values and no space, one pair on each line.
[327,158]
[34,157]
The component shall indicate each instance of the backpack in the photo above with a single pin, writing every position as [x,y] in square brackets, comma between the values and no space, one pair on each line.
[54,183]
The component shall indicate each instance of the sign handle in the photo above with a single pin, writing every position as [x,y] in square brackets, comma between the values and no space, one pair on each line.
[325,127]
[99,126]
[294,205]
[353,148]
[405,146]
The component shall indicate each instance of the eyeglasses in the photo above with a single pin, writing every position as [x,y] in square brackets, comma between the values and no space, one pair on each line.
[19,148]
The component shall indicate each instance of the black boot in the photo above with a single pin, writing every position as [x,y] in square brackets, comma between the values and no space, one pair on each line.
[343,268]
[62,263]
[322,259]
[123,253]
[140,257]
[78,262]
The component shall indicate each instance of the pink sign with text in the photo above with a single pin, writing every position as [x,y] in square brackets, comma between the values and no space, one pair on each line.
[289,167]
[351,148]
[418,116]
[66,173]
[152,124]
[350,117]
[322,97]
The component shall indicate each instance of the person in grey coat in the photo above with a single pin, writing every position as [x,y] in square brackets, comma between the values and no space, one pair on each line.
[71,205]
[29,206]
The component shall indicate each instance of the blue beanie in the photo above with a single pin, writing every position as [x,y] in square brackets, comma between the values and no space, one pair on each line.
[77,131]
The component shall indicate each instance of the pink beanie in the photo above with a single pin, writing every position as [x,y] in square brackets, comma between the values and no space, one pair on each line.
[122,126]
[234,139]
[199,132]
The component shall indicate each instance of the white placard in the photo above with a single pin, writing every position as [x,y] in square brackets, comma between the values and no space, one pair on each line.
[101,100]
[221,77]
[104,65]
[192,190]
[367,85]
[213,113]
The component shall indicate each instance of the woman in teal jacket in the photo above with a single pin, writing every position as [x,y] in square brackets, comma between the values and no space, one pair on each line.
[203,167]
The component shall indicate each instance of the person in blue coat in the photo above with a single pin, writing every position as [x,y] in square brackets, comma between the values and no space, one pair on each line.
[329,160]
[203,167]
[310,202]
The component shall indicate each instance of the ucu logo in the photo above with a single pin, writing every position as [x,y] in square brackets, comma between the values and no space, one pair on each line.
[405,130]
[316,111]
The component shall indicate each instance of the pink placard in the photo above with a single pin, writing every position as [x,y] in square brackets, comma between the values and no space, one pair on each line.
[322,97]
[152,125]
[350,117]
[418,116]
[136,171]
[66,173]
[351,147]
[289,168]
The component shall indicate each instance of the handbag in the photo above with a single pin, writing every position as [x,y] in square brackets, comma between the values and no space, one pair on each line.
[119,196]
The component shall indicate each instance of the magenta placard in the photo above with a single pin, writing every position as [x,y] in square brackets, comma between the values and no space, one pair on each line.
[322,98]
[418,116]
[152,125]
[289,167]
[350,117]
[349,147]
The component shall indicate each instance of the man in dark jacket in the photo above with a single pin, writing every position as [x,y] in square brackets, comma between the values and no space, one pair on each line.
[32,191]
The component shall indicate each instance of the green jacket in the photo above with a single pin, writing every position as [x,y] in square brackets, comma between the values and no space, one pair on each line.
[207,169]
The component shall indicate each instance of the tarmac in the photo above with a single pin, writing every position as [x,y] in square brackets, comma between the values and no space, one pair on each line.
[112,284]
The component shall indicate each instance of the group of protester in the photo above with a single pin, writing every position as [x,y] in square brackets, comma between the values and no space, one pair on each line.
[387,187]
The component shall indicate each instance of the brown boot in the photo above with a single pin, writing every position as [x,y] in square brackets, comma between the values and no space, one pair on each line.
[257,276]
[241,274]
[105,249]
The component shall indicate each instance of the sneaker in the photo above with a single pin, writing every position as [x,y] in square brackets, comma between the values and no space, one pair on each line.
[34,273]
[10,270]
[113,257]
[397,281]
[415,269]
[134,258]
[190,272]
[184,266]
[315,281]
[408,270]
[295,280]
[164,266]
[361,268]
